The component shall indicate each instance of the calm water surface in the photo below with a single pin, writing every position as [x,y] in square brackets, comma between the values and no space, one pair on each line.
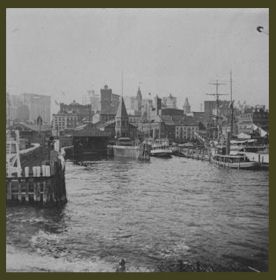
[147,213]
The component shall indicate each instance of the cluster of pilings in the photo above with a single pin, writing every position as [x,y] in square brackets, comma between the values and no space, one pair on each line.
[41,185]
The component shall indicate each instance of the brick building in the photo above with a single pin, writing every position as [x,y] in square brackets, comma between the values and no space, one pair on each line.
[185,129]
[63,121]
[83,112]
[109,104]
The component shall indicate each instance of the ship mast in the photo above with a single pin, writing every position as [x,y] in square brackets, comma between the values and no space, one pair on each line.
[122,80]
[231,104]
[217,95]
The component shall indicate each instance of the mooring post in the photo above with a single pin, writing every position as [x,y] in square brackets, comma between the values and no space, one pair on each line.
[26,171]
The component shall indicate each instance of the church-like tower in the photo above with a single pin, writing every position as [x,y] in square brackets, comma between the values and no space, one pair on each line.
[139,100]
[187,107]
[121,121]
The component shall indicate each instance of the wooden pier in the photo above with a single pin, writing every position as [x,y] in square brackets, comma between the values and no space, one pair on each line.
[36,190]
[37,178]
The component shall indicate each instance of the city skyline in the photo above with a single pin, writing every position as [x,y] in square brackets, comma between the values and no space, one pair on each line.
[72,51]
[124,152]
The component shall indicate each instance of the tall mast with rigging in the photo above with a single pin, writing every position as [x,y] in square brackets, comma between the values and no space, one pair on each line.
[217,95]
[122,81]
[231,104]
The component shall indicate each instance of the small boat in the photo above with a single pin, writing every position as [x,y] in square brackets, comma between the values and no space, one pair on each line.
[161,148]
[238,161]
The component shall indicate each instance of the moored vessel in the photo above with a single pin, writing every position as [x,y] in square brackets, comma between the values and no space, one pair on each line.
[239,161]
[161,148]
[125,148]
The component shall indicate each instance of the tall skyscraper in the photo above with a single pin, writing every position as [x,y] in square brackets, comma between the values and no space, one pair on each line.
[38,105]
[109,104]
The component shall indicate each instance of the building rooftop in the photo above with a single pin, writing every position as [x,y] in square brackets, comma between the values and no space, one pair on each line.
[89,130]
[187,120]
[33,127]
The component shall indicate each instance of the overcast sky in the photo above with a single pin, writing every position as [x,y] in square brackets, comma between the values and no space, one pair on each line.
[178,51]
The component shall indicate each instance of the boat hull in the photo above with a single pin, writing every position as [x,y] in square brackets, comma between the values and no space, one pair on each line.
[262,159]
[237,165]
[131,152]
[161,153]
[178,154]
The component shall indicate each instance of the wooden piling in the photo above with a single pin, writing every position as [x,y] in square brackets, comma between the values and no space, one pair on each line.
[40,192]
[45,193]
[35,191]
[15,189]
[19,194]
[31,189]
[41,188]
[27,191]
[9,192]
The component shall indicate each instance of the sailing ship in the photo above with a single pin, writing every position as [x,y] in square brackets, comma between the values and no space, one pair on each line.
[233,153]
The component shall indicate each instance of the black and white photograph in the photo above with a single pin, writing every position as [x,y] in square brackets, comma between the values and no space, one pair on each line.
[137,140]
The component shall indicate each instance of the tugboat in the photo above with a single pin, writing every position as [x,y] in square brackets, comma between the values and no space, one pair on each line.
[221,155]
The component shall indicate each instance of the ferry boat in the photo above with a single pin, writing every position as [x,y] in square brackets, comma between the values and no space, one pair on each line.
[238,161]
[161,148]
[124,148]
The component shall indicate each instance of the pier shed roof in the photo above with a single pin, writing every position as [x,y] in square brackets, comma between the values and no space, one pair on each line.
[90,130]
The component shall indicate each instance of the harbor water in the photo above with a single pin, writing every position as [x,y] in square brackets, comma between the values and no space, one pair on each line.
[149,213]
